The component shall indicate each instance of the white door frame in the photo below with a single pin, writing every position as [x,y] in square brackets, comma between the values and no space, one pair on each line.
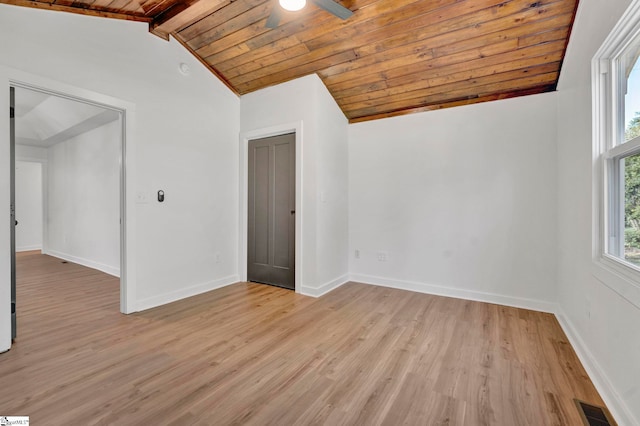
[245,137]
[12,77]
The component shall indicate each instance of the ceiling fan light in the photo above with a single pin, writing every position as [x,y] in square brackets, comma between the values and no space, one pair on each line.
[292,5]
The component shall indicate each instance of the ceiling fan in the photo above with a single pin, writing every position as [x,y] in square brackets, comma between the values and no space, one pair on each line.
[293,5]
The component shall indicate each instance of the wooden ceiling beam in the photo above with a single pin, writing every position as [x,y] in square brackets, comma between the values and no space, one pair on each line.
[151,8]
[183,14]
[79,11]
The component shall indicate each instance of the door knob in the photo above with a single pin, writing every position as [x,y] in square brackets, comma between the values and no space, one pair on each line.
[16,223]
[293,212]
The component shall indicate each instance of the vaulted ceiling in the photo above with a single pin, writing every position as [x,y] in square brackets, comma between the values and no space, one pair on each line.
[388,58]
[43,120]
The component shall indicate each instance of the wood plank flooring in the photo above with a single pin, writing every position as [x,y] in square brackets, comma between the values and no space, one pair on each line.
[254,354]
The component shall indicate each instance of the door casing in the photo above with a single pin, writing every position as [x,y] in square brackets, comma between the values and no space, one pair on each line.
[17,78]
[122,185]
[281,129]
[12,208]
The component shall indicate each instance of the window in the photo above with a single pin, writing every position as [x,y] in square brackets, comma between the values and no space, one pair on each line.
[622,159]
[616,100]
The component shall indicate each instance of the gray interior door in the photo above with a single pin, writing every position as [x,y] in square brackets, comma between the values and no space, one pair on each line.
[12,206]
[271,225]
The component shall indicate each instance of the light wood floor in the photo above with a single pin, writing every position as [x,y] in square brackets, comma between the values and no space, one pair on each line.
[254,354]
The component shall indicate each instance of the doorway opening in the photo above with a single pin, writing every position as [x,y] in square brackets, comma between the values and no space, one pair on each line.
[79,146]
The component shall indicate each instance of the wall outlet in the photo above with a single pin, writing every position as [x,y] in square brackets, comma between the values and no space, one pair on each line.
[356,254]
[216,258]
[382,256]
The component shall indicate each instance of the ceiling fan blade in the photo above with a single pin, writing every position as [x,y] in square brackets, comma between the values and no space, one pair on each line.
[334,8]
[274,19]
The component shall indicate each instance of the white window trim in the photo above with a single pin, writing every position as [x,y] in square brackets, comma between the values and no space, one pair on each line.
[621,277]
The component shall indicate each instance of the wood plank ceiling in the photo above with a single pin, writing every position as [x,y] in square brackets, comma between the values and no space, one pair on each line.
[389,58]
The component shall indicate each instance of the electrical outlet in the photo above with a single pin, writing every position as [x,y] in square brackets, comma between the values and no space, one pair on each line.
[356,254]
[382,256]
[216,258]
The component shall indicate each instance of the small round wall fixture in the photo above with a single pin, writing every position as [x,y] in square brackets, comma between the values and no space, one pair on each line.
[292,5]
[184,69]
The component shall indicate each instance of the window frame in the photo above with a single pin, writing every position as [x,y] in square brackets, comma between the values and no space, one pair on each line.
[608,128]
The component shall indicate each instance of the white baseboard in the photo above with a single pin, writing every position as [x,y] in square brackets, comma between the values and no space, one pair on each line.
[324,288]
[28,248]
[183,293]
[611,398]
[516,302]
[107,269]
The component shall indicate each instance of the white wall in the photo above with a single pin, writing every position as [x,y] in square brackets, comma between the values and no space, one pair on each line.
[31,153]
[84,199]
[184,141]
[28,206]
[332,158]
[461,201]
[323,153]
[604,326]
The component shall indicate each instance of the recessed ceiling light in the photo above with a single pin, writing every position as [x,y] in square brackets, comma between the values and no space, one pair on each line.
[292,5]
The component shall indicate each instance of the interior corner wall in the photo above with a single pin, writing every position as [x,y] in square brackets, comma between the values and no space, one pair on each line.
[29,205]
[183,141]
[324,172]
[602,325]
[84,199]
[458,202]
[332,226]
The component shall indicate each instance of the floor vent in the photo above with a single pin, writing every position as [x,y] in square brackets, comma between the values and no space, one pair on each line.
[593,415]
